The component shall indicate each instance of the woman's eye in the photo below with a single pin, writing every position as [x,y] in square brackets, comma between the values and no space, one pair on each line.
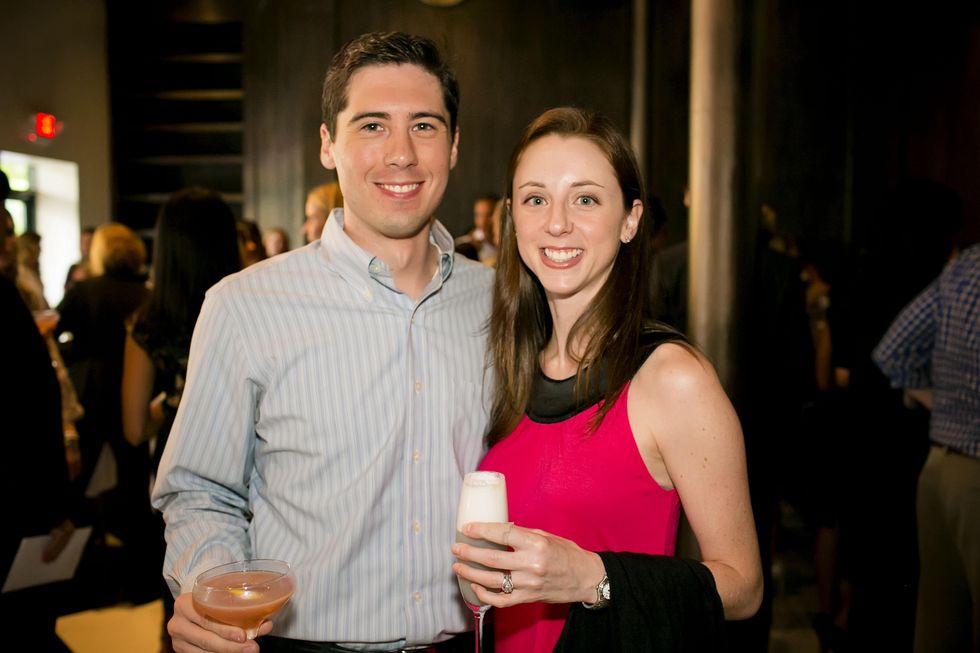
[588,200]
[534,200]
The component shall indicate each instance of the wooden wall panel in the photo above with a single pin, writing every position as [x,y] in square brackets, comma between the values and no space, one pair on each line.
[287,45]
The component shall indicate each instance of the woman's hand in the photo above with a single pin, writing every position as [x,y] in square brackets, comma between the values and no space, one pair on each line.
[192,632]
[543,567]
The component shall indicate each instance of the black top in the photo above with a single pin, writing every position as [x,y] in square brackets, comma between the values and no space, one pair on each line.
[555,401]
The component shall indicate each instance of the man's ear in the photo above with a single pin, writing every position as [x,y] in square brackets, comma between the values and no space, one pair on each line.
[326,149]
[454,149]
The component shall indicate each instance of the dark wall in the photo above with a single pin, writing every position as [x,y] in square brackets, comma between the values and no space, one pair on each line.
[513,59]
[668,89]
[843,101]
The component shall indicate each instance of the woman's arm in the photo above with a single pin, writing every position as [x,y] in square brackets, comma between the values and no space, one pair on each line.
[685,425]
[137,386]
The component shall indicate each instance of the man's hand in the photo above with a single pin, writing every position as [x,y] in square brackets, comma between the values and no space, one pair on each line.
[192,632]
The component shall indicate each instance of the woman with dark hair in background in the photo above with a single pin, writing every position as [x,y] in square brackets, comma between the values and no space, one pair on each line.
[196,245]
[603,425]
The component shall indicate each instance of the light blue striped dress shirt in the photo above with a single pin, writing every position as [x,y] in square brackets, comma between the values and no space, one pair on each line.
[327,421]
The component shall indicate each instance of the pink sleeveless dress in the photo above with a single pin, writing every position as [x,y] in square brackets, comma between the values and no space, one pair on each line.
[594,490]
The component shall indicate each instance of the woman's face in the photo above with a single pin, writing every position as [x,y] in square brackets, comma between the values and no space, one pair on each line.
[568,215]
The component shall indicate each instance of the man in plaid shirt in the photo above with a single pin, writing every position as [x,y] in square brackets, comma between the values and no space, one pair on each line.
[932,350]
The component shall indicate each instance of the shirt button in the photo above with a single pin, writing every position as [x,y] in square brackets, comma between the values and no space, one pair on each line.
[418,387]
[416,526]
[417,597]
[416,456]
[375,268]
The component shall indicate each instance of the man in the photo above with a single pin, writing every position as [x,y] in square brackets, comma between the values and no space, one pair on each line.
[334,397]
[477,243]
[931,350]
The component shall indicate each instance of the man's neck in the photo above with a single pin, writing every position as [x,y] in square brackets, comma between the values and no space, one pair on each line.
[411,261]
[412,264]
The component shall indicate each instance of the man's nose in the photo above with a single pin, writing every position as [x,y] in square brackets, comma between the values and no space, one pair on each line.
[400,150]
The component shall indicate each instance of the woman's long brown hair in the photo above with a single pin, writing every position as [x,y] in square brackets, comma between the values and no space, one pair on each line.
[520,322]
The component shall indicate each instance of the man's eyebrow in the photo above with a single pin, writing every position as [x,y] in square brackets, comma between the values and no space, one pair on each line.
[382,115]
[370,114]
[429,114]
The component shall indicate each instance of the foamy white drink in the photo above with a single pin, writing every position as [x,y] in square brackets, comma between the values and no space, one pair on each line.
[483,498]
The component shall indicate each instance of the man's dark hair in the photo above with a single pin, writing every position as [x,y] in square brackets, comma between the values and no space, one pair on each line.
[382,49]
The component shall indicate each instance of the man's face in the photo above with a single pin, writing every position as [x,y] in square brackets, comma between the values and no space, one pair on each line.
[392,152]
[482,212]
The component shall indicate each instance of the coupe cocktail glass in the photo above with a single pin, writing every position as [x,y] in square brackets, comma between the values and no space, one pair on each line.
[243,593]
[483,498]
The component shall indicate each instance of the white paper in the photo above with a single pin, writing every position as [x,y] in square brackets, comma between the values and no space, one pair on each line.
[29,570]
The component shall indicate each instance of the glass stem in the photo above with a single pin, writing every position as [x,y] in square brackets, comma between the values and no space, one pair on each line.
[478,616]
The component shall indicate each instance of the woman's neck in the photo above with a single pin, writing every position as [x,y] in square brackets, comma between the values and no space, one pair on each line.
[560,357]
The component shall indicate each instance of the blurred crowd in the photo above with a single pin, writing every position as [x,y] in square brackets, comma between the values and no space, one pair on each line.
[93,385]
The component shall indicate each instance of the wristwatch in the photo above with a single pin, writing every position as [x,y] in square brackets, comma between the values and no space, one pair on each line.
[601,595]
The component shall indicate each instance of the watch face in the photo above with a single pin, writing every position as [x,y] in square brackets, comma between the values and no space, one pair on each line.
[605,590]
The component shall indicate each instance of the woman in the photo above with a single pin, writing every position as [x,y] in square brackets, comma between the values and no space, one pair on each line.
[603,426]
[196,245]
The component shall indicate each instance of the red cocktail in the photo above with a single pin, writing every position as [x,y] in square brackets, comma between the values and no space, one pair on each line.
[243,593]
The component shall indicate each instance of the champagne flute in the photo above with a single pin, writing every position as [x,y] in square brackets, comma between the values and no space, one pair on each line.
[483,498]
[243,593]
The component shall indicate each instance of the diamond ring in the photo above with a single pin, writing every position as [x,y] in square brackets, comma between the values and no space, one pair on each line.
[508,585]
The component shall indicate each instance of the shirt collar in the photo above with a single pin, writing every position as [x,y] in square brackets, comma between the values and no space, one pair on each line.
[359,266]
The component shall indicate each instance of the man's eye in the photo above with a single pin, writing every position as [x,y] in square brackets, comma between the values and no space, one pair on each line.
[371,127]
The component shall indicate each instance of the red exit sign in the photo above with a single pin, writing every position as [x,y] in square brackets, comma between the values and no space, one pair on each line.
[45,125]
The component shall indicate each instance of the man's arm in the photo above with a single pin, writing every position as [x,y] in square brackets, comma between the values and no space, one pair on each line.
[904,354]
[202,483]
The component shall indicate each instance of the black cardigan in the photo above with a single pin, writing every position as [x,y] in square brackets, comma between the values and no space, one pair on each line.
[658,603]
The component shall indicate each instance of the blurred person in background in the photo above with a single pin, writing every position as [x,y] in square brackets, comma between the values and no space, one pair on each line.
[250,242]
[32,292]
[276,241]
[195,246]
[932,351]
[477,243]
[29,266]
[79,270]
[319,203]
[94,312]
[33,473]
[888,440]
